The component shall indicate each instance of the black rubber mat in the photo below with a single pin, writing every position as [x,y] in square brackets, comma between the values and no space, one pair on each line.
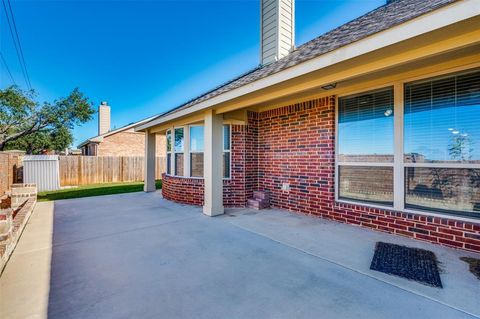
[474,265]
[410,263]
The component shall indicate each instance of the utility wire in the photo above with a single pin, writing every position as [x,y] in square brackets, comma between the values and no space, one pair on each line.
[16,42]
[8,69]
[19,43]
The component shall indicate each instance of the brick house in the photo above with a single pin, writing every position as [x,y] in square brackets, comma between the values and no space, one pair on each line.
[123,141]
[375,123]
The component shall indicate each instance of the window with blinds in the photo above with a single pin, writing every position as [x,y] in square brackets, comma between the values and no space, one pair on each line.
[365,144]
[169,151]
[442,119]
[442,144]
[437,165]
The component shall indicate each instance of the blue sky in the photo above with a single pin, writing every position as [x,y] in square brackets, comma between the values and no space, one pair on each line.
[145,57]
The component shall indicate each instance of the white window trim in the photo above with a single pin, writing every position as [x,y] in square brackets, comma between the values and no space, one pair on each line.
[190,152]
[169,153]
[339,163]
[229,150]
[187,151]
[398,165]
[174,152]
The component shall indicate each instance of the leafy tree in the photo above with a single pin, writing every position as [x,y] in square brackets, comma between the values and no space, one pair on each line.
[55,139]
[460,148]
[32,126]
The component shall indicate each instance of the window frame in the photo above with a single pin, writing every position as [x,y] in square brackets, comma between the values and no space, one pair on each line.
[339,163]
[229,151]
[169,153]
[190,152]
[399,165]
[175,152]
[187,151]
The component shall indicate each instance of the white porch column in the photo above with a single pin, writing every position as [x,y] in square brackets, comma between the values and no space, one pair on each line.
[149,169]
[213,153]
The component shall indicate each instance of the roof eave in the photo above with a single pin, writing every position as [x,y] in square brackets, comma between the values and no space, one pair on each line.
[96,139]
[431,21]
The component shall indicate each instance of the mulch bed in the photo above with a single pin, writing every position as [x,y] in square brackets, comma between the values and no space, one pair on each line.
[411,263]
[474,265]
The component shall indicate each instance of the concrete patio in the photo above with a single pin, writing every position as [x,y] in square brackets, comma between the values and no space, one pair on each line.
[139,256]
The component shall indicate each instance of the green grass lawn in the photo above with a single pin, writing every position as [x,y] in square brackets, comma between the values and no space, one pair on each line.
[94,190]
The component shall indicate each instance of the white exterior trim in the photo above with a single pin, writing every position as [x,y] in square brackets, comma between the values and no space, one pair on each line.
[336,180]
[174,152]
[167,152]
[443,165]
[437,19]
[398,155]
[371,164]
[229,150]
[186,151]
[339,163]
[190,152]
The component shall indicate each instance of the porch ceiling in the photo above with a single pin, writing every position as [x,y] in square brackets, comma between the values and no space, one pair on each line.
[464,58]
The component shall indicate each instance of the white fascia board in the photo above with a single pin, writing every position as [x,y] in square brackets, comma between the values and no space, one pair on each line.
[450,14]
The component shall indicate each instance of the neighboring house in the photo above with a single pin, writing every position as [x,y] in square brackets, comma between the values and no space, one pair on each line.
[375,123]
[123,141]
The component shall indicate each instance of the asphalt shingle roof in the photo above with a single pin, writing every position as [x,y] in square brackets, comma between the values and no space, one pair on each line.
[380,19]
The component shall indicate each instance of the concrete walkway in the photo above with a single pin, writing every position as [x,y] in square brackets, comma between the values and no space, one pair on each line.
[139,256]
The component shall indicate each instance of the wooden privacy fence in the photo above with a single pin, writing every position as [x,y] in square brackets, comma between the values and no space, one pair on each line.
[83,170]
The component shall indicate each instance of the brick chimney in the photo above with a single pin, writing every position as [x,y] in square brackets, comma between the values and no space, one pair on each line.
[103,118]
[277,29]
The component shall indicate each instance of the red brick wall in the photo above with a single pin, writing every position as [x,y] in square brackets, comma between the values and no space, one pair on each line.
[251,154]
[234,189]
[296,146]
[183,190]
[10,165]
[191,190]
[4,176]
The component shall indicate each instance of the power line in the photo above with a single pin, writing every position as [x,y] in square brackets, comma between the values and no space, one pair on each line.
[16,42]
[8,69]
[19,43]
